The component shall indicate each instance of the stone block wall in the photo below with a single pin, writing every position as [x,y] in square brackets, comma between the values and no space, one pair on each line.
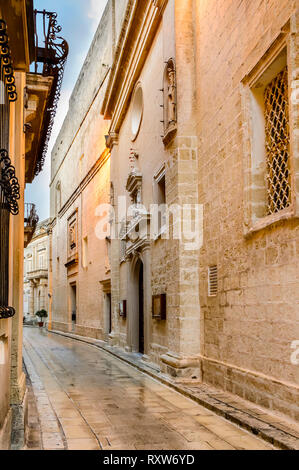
[250,326]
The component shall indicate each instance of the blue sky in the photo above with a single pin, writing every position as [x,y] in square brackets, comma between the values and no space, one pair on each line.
[79,20]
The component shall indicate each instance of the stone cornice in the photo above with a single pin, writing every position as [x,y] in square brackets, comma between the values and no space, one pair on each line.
[139,28]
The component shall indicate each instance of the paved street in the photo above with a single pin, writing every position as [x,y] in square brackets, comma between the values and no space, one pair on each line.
[87,399]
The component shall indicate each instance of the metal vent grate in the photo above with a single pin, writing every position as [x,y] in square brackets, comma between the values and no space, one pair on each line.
[213,281]
[278,143]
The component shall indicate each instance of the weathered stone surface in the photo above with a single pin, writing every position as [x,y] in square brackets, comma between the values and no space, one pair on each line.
[240,340]
[273,428]
[102,403]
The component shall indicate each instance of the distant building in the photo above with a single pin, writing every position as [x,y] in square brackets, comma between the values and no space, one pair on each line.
[36,271]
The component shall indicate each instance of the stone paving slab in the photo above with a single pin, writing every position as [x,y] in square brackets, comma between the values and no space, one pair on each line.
[50,437]
[271,428]
[102,402]
[33,430]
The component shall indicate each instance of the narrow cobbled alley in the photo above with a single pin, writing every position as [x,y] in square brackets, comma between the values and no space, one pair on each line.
[87,399]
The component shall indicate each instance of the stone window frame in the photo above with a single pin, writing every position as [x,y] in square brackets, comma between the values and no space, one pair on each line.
[72,221]
[41,261]
[157,178]
[252,224]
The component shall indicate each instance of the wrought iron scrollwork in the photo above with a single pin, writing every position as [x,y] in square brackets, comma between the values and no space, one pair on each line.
[6,312]
[9,184]
[9,195]
[53,56]
[6,63]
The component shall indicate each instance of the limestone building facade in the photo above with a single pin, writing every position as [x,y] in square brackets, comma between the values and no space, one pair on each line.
[36,257]
[200,113]
[247,126]
[79,268]
[153,146]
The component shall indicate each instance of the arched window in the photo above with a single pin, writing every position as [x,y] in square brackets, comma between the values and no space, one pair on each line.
[137,111]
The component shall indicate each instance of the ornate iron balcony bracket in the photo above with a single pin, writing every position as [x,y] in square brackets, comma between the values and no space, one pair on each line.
[6,63]
[6,312]
[52,52]
[9,195]
[9,184]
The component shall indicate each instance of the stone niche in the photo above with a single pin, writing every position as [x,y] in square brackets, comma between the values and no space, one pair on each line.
[134,180]
[72,242]
[170,102]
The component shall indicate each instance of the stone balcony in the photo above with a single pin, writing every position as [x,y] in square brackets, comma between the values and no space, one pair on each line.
[37,274]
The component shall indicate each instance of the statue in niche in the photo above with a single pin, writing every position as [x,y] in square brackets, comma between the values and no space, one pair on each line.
[133,160]
[72,237]
[171,95]
[138,197]
[169,101]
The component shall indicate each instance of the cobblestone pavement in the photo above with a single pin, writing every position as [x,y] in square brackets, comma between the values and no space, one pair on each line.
[87,399]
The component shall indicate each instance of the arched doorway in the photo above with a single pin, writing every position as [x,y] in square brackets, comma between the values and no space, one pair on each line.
[136,309]
[141,309]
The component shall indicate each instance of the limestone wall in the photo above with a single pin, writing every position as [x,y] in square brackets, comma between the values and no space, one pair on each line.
[240,340]
[80,183]
[250,325]
[152,155]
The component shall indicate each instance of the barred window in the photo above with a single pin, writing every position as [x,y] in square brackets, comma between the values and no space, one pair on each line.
[277,143]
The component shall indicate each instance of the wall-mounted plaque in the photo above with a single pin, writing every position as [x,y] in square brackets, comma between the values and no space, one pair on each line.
[159,307]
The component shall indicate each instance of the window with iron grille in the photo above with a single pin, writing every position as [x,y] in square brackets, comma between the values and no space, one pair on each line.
[277,134]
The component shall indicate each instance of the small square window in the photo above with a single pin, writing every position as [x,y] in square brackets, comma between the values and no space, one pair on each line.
[268,112]
[277,131]
[270,140]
